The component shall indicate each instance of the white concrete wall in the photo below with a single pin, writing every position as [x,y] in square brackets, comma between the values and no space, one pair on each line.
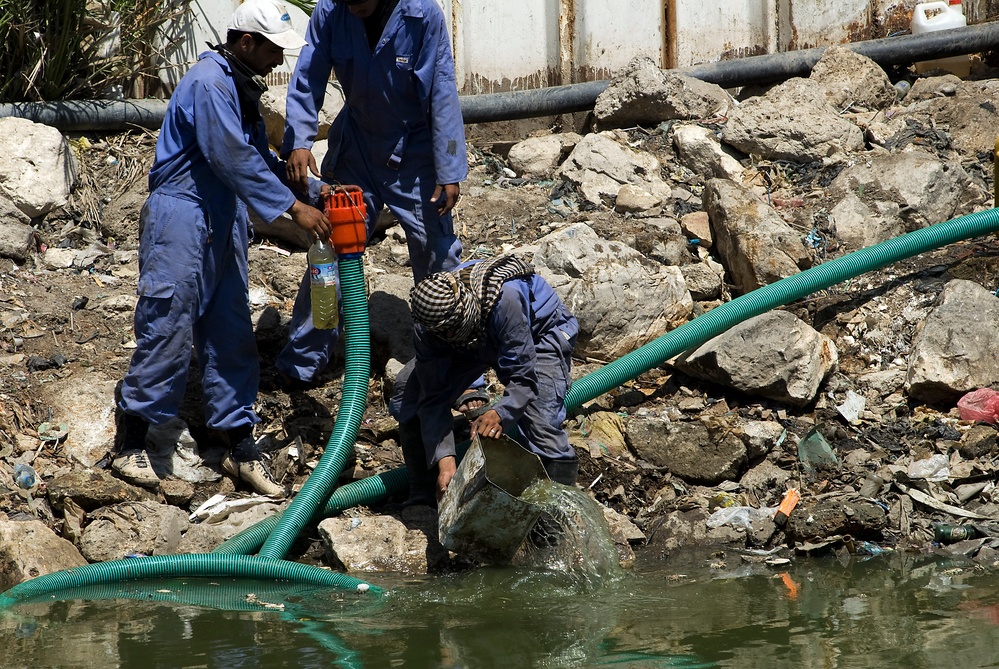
[521,44]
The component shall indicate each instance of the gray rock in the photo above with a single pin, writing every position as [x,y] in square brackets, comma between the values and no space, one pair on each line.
[760,436]
[17,239]
[705,452]
[795,122]
[697,225]
[980,440]
[385,543]
[849,79]
[754,243]
[700,151]
[29,549]
[133,527]
[538,156]
[621,299]
[858,225]
[954,352]
[645,95]
[600,164]
[92,489]
[928,190]
[38,169]
[662,240]
[632,200]
[859,518]
[775,355]
[703,282]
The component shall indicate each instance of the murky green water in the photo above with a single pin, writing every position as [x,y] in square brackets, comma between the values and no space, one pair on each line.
[896,611]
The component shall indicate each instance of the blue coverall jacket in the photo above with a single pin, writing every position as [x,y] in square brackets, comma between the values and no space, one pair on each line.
[194,236]
[399,135]
[528,341]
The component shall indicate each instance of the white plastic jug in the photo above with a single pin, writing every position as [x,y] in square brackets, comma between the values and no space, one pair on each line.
[941,15]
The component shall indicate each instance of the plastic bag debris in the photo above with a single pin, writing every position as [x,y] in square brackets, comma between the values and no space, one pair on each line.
[739,516]
[980,405]
[934,468]
[814,451]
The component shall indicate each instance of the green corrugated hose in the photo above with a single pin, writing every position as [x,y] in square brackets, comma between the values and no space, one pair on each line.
[300,511]
[354,399]
[372,490]
[721,318]
[689,335]
[171,566]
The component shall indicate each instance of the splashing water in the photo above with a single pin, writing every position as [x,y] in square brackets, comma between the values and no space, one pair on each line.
[572,536]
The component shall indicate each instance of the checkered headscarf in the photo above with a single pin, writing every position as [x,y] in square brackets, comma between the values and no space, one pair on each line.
[456,305]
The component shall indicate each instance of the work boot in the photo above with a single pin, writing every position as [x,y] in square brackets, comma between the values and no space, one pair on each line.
[422,480]
[564,471]
[242,462]
[131,461]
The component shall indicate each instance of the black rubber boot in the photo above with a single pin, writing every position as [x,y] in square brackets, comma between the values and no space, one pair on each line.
[132,430]
[563,471]
[242,444]
[422,479]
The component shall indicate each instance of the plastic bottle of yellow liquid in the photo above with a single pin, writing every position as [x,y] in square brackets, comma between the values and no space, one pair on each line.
[323,274]
[941,15]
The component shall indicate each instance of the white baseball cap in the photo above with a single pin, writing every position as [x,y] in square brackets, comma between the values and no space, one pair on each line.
[268,18]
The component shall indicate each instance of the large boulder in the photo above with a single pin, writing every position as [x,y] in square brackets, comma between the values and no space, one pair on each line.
[600,164]
[795,122]
[774,355]
[756,246]
[38,169]
[849,79]
[621,299]
[643,94]
[29,548]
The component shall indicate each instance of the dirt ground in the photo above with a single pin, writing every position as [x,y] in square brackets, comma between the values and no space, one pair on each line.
[76,323]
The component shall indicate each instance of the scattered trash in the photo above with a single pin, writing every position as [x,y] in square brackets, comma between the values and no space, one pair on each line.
[851,409]
[53,431]
[934,468]
[980,405]
[738,516]
[944,533]
[929,501]
[867,548]
[792,587]
[25,476]
[791,499]
[814,451]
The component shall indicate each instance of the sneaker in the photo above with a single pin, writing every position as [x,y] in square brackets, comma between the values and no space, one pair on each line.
[254,474]
[134,466]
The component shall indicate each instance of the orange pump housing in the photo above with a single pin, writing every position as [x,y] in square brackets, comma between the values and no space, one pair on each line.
[347,215]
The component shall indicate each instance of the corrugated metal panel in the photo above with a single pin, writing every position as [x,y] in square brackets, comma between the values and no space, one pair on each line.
[706,31]
[506,46]
[608,35]
[805,24]
[503,46]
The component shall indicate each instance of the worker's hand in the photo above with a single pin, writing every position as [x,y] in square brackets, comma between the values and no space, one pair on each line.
[446,468]
[310,219]
[451,195]
[488,425]
[300,163]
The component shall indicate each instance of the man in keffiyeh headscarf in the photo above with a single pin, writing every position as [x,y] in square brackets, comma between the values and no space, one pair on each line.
[494,313]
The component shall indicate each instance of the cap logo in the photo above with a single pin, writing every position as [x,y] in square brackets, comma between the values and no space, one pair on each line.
[285,17]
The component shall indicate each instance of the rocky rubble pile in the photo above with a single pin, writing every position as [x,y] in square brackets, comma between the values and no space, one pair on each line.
[672,198]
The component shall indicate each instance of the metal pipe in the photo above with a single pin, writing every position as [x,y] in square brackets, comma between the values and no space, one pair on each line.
[886,52]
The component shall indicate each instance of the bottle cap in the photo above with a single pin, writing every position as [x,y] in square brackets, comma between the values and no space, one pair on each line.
[955,2]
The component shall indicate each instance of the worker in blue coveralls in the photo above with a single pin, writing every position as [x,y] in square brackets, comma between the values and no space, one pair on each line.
[399,136]
[212,161]
[492,313]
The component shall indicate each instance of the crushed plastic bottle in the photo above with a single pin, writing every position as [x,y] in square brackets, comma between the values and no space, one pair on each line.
[25,476]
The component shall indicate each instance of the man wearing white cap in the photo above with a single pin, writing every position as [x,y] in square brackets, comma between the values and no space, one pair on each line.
[212,162]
